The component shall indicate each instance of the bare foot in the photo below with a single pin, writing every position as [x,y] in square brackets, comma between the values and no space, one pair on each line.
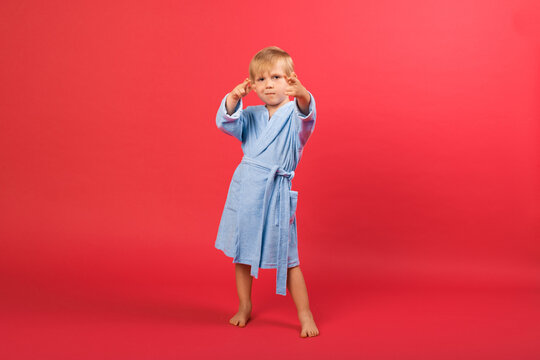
[309,329]
[241,318]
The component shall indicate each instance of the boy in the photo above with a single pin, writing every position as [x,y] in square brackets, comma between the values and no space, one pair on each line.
[258,224]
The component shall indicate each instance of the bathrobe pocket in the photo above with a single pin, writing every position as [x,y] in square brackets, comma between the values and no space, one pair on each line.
[294,202]
[233,196]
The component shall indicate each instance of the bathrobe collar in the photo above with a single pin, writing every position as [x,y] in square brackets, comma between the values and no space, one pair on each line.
[274,126]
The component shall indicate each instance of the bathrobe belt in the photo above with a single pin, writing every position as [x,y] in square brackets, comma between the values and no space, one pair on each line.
[275,174]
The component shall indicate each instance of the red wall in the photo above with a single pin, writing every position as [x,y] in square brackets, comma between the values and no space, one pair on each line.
[423,167]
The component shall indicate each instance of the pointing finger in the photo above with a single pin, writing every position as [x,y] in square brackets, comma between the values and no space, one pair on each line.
[292,79]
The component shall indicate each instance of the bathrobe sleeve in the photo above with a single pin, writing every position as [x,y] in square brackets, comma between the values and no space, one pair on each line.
[305,123]
[231,124]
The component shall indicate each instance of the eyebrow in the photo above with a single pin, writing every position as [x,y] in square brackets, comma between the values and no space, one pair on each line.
[274,74]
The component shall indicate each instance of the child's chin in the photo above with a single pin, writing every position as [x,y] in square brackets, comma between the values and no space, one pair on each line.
[273,103]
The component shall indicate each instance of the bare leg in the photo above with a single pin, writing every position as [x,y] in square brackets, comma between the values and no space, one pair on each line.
[243,287]
[297,288]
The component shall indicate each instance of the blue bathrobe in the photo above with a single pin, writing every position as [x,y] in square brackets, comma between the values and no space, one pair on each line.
[258,224]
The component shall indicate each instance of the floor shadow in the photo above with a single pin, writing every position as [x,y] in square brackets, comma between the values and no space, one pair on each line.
[281,324]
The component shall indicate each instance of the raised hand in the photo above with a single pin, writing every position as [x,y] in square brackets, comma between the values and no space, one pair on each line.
[295,87]
[241,90]
[236,94]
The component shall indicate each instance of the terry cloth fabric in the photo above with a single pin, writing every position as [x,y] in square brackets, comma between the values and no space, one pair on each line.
[258,223]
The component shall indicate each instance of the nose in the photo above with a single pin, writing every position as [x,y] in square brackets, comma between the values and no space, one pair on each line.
[269,84]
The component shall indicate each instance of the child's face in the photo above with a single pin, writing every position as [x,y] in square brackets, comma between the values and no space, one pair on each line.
[270,86]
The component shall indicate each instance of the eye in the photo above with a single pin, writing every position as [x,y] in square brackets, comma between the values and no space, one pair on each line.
[260,79]
[276,76]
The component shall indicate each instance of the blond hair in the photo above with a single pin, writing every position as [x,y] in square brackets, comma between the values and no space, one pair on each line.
[266,58]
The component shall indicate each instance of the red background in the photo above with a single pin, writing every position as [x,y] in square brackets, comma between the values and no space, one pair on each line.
[419,190]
